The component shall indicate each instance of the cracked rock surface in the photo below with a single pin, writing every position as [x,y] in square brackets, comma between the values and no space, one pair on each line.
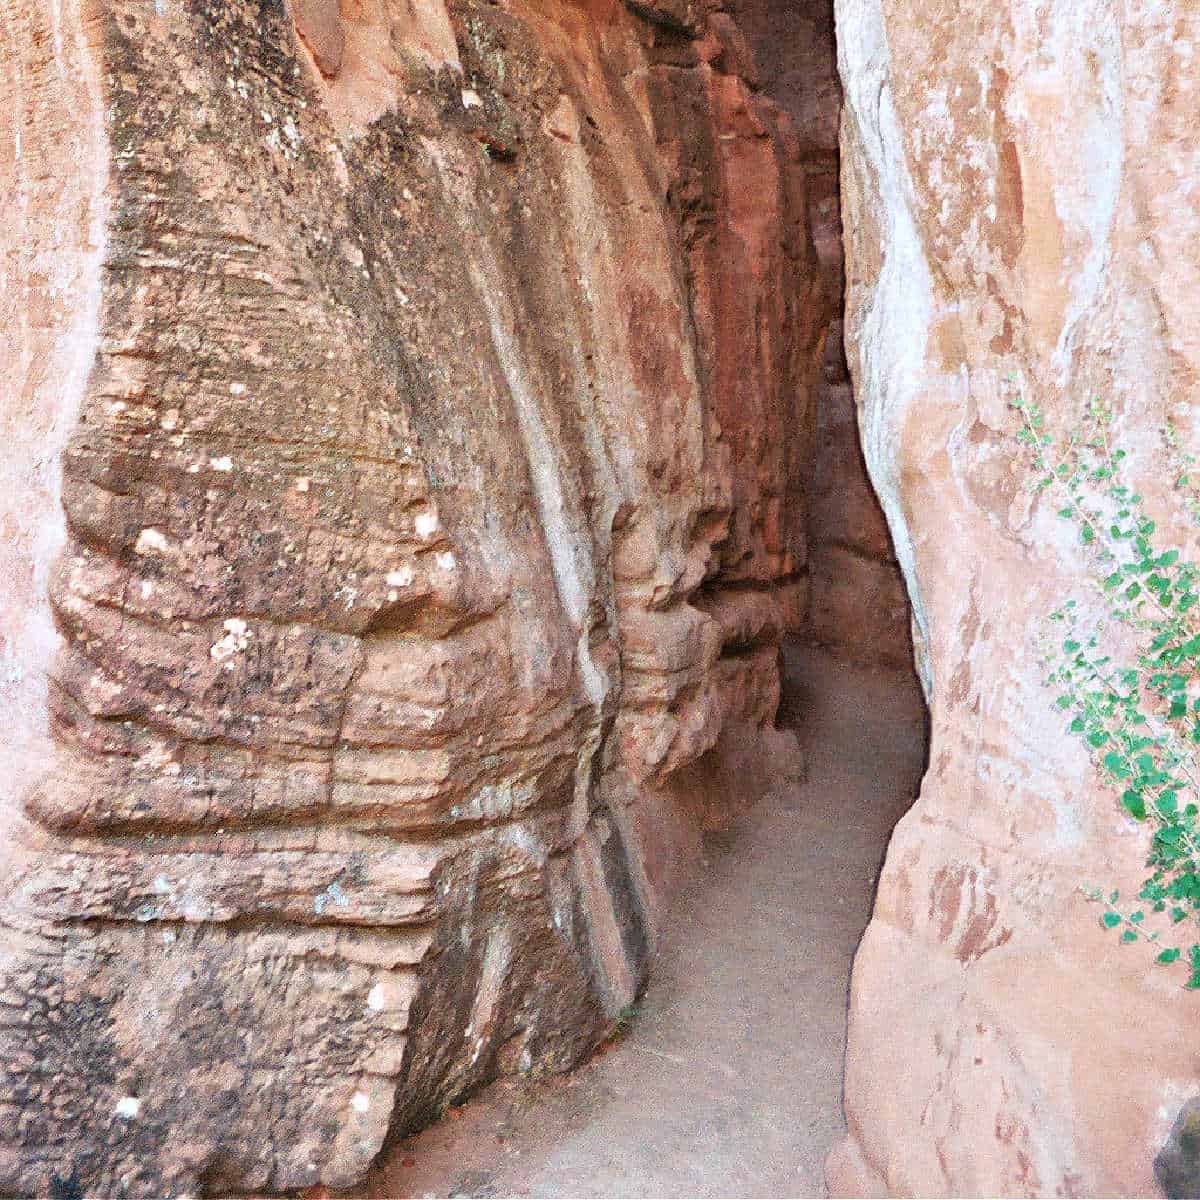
[397,527]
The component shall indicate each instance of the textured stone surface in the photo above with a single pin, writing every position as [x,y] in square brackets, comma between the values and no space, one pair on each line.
[396,529]
[1019,186]
[858,606]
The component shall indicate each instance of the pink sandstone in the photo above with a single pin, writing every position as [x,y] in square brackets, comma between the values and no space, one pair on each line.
[1019,199]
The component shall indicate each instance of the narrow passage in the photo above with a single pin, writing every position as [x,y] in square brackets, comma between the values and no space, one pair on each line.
[728,1081]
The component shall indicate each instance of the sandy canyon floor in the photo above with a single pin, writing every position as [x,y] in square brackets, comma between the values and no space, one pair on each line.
[728,1078]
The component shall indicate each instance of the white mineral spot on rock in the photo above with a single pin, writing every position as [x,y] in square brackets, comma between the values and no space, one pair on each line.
[360,1102]
[237,638]
[225,463]
[237,389]
[402,297]
[332,893]
[170,419]
[470,99]
[402,576]
[445,560]
[150,541]
[161,885]
[128,1107]
[426,523]
[375,998]
[302,485]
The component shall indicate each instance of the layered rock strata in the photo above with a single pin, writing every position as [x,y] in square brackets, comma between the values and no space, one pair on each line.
[398,538]
[857,602]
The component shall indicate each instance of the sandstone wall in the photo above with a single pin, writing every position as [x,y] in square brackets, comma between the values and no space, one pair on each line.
[1019,190]
[422,540]
[857,602]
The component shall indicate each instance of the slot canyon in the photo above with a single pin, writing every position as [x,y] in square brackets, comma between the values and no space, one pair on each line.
[433,431]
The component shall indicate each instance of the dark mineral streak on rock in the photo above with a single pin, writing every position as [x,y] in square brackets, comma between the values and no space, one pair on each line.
[1177,1165]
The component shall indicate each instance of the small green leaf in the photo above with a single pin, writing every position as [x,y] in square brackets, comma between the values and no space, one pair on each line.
[1168,956]
[1134,804]
[1111,920]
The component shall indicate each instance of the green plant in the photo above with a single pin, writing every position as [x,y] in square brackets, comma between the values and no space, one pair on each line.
[1125,663]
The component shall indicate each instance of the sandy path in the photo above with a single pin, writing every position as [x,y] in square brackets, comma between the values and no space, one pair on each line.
[728,1083]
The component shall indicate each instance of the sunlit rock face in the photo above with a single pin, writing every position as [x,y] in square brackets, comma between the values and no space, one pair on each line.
[1019,188]
[401,513]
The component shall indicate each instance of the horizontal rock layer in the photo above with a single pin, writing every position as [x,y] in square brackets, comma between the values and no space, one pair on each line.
[397,530]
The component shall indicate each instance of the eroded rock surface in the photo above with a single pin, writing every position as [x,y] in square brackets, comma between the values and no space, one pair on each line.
[396,527]
[1019,188]
[857,601]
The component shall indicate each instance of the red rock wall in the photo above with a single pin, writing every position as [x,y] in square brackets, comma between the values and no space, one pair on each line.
[1019,185]
[857,602]
[409,594]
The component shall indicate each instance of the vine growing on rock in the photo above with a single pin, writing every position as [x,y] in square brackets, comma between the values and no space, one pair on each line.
[1124,662]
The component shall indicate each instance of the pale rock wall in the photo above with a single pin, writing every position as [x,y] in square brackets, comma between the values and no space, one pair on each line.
[409,594]
[1019,189]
